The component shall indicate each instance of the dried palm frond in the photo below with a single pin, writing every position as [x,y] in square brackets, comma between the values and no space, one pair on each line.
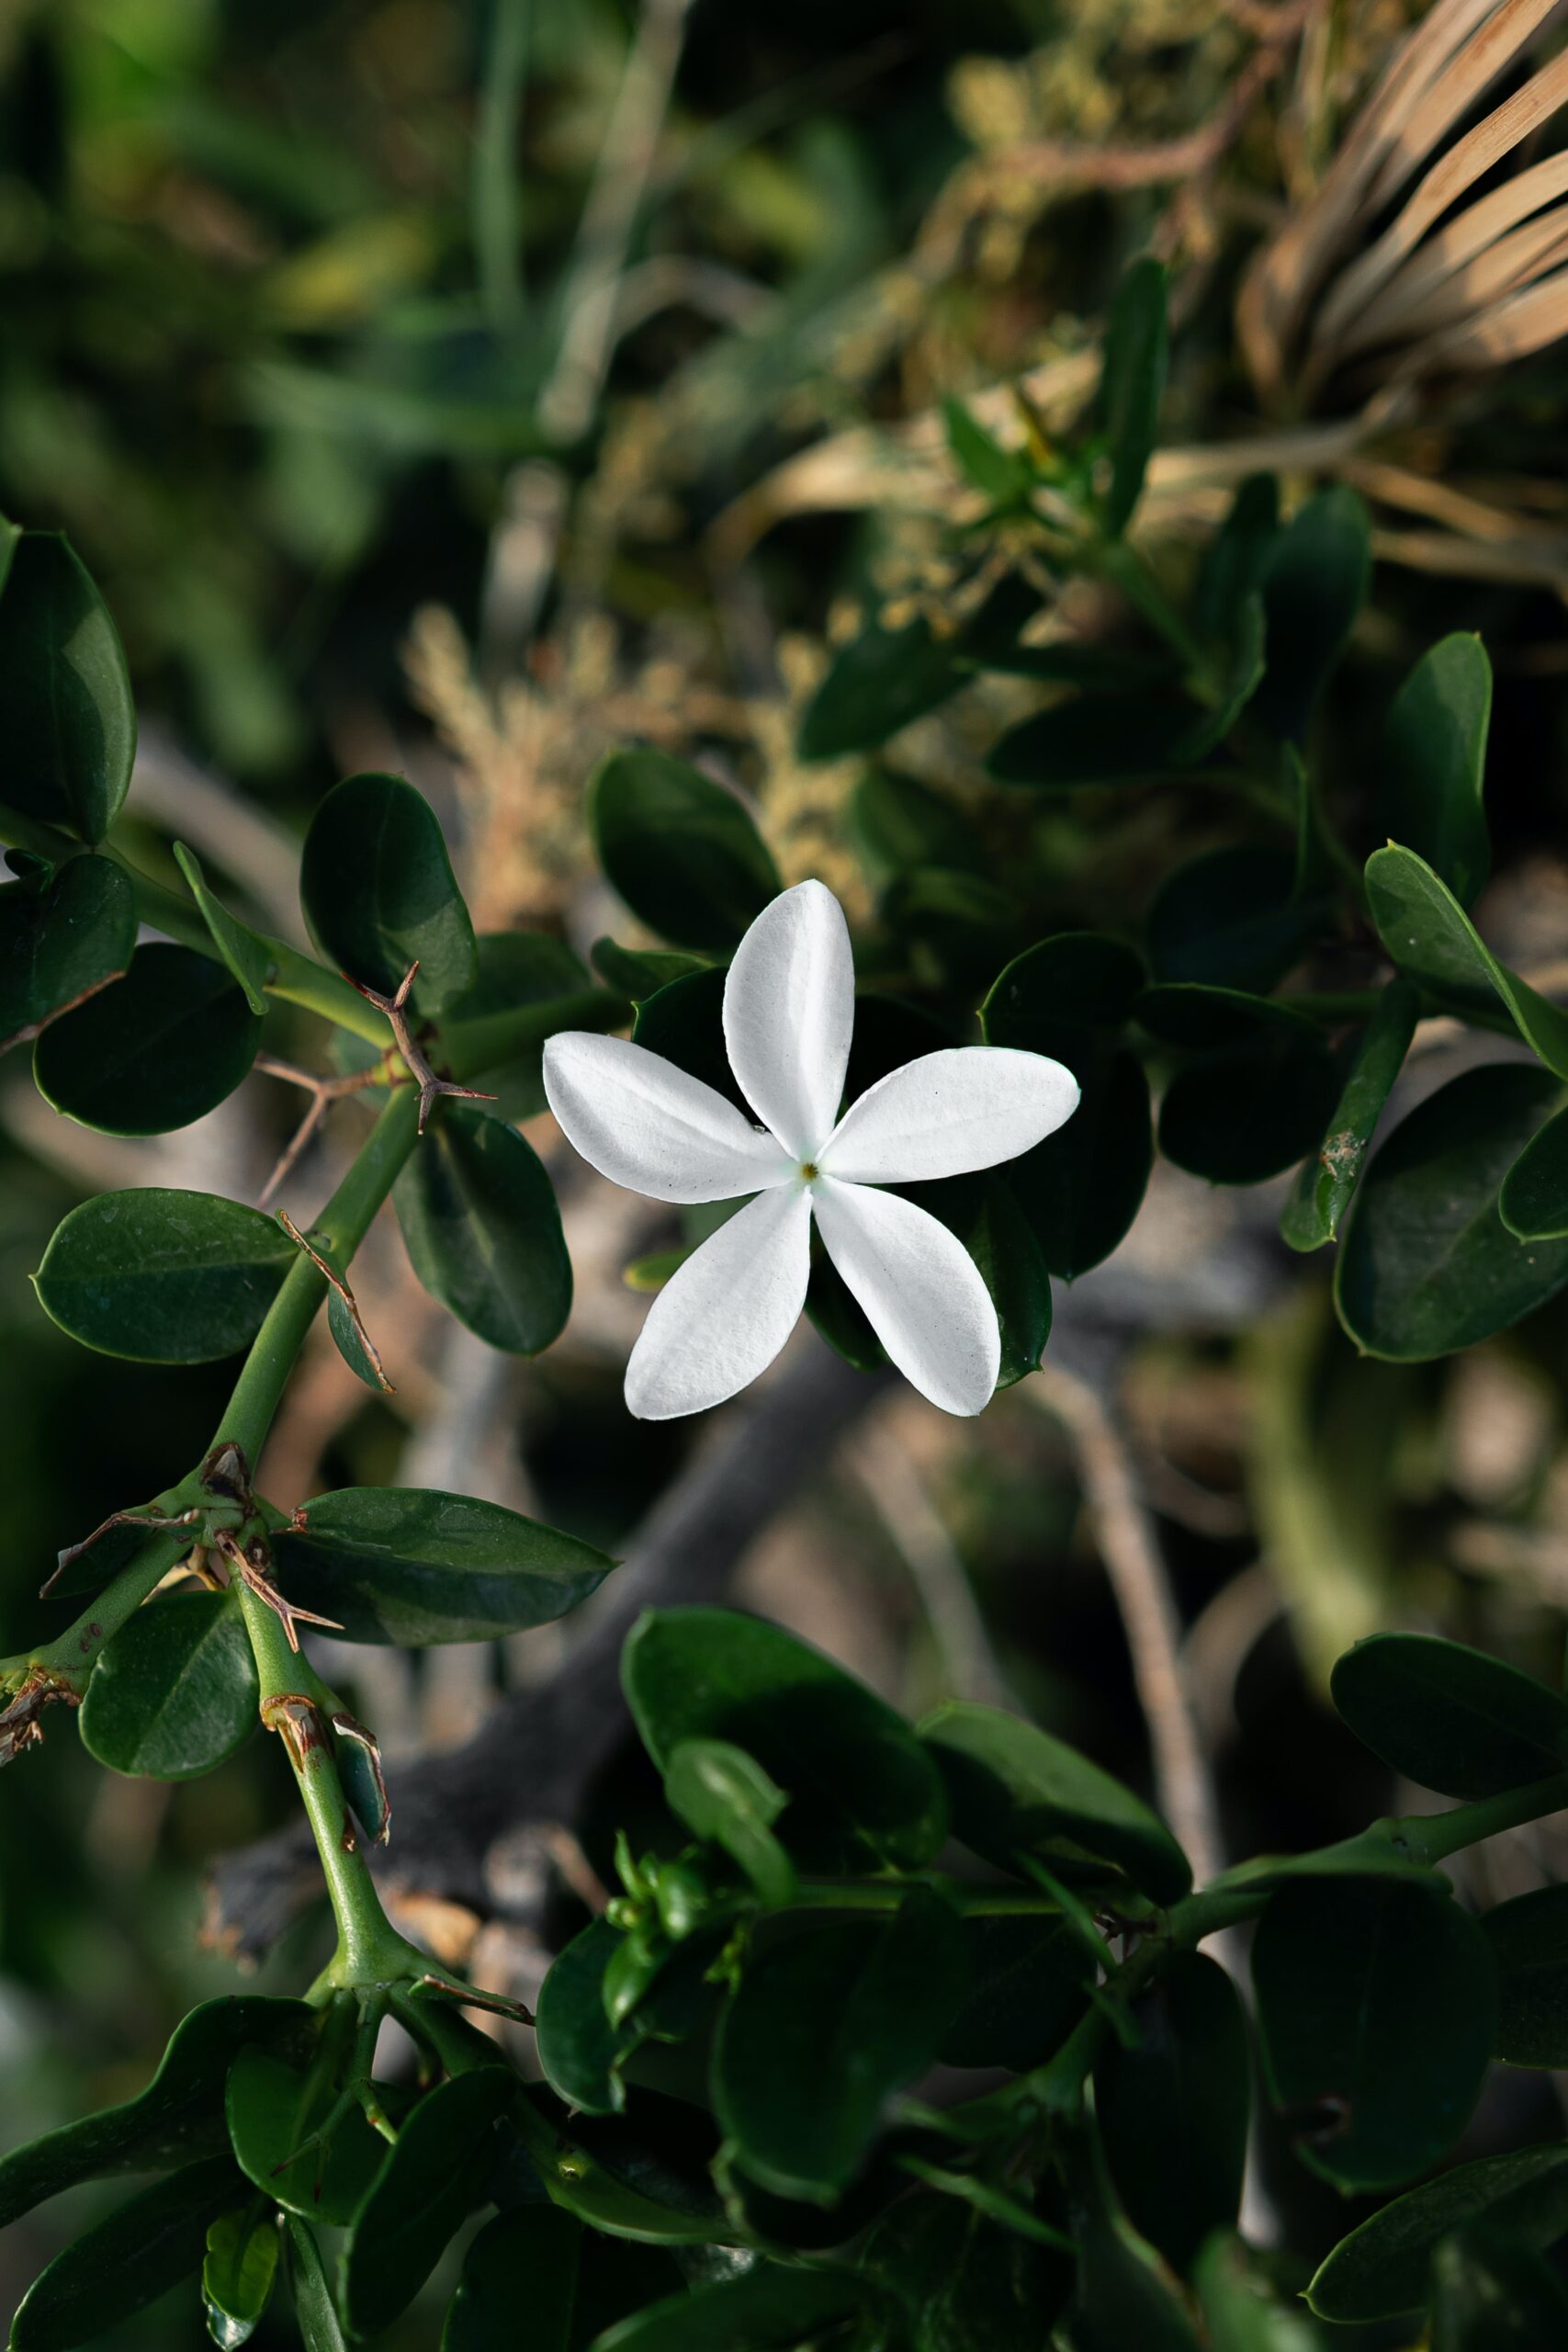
[1436,290]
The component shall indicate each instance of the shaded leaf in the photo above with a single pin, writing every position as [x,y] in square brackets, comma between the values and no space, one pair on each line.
[428,2183]
[681,851]
[380,894]
[1313,587]
[143,2249]
[67,717]
[153,1051]
[1174,2109]
[1380,2269]
[313,2306]
[531,2253]
[772,2306]
[61,943]
[1447,1717]
[1533,1201]
[1029,1982]
[479,1215]
[1131,385]
[640,972]
[1326,1184]
[245,955]
[878,683]
[966,2284]
[1232,918]
[238,2273]
[273,2111]
[162,1277]
[1430,935]
[1529,1940]
[723,1794]
[174,1691]
[1433,762]
[1494,2293]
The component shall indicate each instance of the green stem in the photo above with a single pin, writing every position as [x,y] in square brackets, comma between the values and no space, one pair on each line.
[468,1048]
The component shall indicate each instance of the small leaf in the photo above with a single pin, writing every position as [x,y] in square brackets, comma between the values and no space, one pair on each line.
[378,892]
[1236,561]
[1533,1202]
[143,2249]
[1381,2270]
[641,972]
[772,2308]
[162,1277]
[1230,918]
[478,1214]
[66,714]
[1326,1184]
[1002,476]
[643,2177]
[415,1567]
[1430,935]
[519,969]
[985,1214]
[1245,1112]
[684,1021]
[428,2183]
[1449,1718]
[1028,1988]
[313,2306]
[1174,2109]
[1314,588]
[900,824]
[878,683]
[60,945]
[273,2111]
[246,955]
[1015,1790]
[1376,2009]
[1243,2312]
[153,1051]
[1433,762]
[532,2250]
[174,1691]
[179,2115]
[681,851]
[1138,737]
[1132,384]
[238,2273]
[1126,2296]
[862,1789]
[857,2011]
[723,1794]
[1427,1264]
[1529,1937]
[582,2049]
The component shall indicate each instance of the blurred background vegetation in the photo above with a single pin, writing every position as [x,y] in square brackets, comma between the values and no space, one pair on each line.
[426,385]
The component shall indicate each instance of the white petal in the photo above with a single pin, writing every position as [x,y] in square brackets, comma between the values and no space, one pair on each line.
[921,1289]
[965,1107]
[789,1010]
[723,1316]
[649,1125]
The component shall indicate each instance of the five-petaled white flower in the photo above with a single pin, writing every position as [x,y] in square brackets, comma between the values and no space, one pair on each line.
[788,1015]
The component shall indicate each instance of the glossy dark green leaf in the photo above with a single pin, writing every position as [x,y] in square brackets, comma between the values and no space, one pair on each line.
[858,2011]
[238,2273]
[770,2309]
[581,2050]
[1327,1183]
[519,969]
[1015,1790]
[174,1691]
[479,1215]
[681,851]
[1533,1202]
[179,2116]
[1201,1018]
[244,954]
[525,2260]
[986,1214]
[273,2111]
[1494,2293]
[640,972]
[61,943]
[1433,762]
[67,717]
[313,2307]
[965,2283]
[684,1021]
[413,1565]
[1246,1113]
[1132,384]
[378,892]
[1449,1718]
[1230,918]
[1377,2007]
[428,2183]
[1002,476]
[1236,560]
[724,1795]
[150,2243]
[1430,935]
[153,1051]
[1382,2269]
[162,1277]
[1529,1937]
[1427,1264]
[863,1791]
[1028,1988]
[1081,978]
[880,681]
[1132,738]
[1313,587]
[1174,2109]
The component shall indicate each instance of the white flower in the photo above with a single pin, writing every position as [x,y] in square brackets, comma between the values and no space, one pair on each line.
[788,1015]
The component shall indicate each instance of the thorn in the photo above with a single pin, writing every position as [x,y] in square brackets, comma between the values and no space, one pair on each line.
[329,1274]
[325,1092]
[19,1726]
[154,1522]
[431,1088]
[252,1563]
[471,1997]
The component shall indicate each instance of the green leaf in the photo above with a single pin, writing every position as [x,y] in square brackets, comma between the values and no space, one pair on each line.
[1230,918]
[238,2273]
[684,1021]
[1449,1718]
[378,892]
[66,714]
[966,2283]
[533,2251]
[953,925]
[641,972]
[878,683]
[593,2013]
[143,2248]
[10,533]
[415,1567]
[179,2116]
[1381,2270]
[900,825]
[1494,2293]
[313,2306]
[723,1794]
[60,945]
[1376,2009]
[1131,385]
[1314,588]
[1427,1264]
[1430,935]
[479,1216]
[428,2183]
[1125,2294]
[162,1277]
[681,851]
[1433,762]
[1015,1790]
[1533,1202]
[1138,737]
[1241,2313]
[1326,1184]
[862,1789]
[770,2309]
[643,2177]
[1528,1938]
[1003,476]
[273,2109]
[518,968]
[1029,1982]
[246,955]
[153,1051]
[1236,561]
[1174,2109]
[174,1691]
[856,2011]
[986,1215]
[1246,1111]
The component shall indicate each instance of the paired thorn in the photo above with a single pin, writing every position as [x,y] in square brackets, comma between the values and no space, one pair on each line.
[325,1092]
[430,1086]
[153,1522]
[471,1997]
[329,1273]
[251,1563]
